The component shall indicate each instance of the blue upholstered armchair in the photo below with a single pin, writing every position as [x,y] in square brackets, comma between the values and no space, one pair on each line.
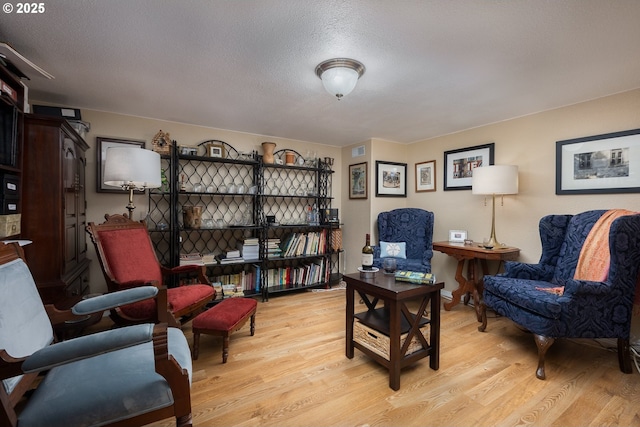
[412,230]
[553,301]
[128,376]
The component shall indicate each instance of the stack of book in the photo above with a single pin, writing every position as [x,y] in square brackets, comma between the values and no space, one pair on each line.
[191,259]
[229,256]
[249,249]
[273,248]
[208,258]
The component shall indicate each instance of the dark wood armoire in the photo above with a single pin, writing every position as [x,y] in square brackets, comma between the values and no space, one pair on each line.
[54,209]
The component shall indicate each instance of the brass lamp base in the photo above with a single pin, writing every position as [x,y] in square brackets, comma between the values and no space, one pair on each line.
[493,241]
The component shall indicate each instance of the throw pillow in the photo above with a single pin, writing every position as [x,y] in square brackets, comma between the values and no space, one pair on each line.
[393,250]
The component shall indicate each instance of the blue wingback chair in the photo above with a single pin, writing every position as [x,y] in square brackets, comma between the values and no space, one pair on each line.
[545,299]
[414,228]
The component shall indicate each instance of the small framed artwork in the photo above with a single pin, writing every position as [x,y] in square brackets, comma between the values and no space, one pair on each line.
[101,152]
[215,150]
[459,165]
[391,179]
[426,176]
[358,181]
[600,164]
[457,236]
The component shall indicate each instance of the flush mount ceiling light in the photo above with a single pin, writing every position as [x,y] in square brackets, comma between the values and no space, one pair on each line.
[340,75]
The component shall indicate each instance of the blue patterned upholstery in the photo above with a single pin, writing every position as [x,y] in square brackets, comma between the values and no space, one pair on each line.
[586,309]
[414,227]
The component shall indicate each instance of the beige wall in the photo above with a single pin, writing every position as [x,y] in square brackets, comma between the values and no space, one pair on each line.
[120,126]
[528,142]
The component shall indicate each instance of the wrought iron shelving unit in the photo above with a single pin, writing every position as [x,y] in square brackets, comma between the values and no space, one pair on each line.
[237,194]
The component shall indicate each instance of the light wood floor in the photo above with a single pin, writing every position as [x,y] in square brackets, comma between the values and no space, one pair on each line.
[294,372]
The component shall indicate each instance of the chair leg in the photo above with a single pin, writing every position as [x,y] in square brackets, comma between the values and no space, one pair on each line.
[543,344]
[225,348]
[196,345]
[624,355]
[184,421]
[483,316]
[253,324]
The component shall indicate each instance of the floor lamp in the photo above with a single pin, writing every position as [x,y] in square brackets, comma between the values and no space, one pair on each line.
[494,180]
[132,169]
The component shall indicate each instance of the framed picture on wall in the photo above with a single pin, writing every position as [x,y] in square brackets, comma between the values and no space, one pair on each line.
[358,181]
[426,176]
[102,144]
[459,165]
[599,164]
[391,179]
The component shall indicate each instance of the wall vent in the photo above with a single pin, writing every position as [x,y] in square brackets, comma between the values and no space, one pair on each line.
[357,151]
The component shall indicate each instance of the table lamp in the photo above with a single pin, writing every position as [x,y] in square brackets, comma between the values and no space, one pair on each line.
[494,180]
[132,169]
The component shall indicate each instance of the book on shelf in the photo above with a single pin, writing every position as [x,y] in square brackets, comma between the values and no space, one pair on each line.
[249,252]
[209,258]
[246,281]
[193,258]
[231,253]
[305,244]
[415,277]
[224,259]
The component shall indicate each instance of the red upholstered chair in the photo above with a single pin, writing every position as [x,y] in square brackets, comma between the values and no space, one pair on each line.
[128,259]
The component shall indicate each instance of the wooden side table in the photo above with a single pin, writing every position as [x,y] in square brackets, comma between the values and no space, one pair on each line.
[394,319]
[471,254]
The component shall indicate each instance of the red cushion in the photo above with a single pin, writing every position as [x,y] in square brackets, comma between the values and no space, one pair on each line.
[130,256]
[225,315]
[178,299]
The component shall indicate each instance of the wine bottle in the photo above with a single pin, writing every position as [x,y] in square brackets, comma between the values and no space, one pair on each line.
[367,254]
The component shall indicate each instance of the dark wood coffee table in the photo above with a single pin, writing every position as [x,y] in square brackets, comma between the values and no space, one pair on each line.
[395,319]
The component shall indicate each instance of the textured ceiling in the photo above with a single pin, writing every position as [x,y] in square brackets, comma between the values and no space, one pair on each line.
[433,67]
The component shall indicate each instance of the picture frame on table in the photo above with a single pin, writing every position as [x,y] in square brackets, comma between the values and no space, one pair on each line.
[102,145]
[457,236]
[425,176]
[459,165]
[358,181]
[599,164]
[391,179]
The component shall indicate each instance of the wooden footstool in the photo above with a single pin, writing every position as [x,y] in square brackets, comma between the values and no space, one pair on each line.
[222,320]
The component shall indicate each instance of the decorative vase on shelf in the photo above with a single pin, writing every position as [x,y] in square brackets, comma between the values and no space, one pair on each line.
[267,152]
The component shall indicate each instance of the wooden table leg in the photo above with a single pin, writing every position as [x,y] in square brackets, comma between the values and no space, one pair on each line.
[479,289]
[394,338]
[464,285]
[434,338]
[349,322]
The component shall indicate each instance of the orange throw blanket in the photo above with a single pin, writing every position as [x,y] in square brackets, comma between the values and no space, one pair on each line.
[594,260]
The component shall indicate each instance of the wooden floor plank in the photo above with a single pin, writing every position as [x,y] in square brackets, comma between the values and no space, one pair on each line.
[294,372]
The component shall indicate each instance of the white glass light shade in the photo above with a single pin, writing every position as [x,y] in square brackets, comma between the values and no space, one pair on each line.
[132,167]
[339,81]
[340,75]
[495,179]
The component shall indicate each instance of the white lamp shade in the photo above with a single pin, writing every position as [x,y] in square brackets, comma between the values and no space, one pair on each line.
[339,81]
[134,167]
[495,179]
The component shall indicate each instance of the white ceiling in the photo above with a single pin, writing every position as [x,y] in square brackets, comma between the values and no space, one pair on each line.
[432,67]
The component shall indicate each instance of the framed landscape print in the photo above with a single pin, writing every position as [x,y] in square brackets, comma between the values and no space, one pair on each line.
[358,181]
[391,179]
[459,165]
[426,176]
[608,163]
